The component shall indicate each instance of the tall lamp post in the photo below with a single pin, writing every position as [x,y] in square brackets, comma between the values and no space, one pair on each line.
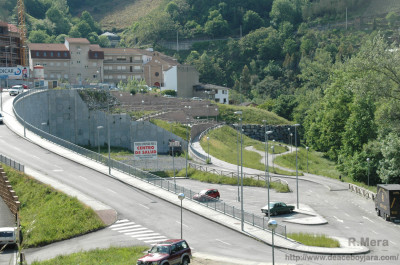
[267,168]
[208,150]
[368,170]
[108,136]
[272,224]
[307,148]
[291,145]
[297,175]
[187,148]
[181,196]
[216,115]
[98,137]
[237,154]
[241,168]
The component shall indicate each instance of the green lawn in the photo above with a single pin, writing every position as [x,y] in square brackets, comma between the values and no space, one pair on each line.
[48,215]
[223,145]
[113,255]
[314,240]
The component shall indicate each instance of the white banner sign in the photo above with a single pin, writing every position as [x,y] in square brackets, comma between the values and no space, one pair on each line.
[18,72]
[145,150]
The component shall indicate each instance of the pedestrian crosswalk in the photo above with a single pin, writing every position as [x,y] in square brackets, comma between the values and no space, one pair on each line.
[137,231]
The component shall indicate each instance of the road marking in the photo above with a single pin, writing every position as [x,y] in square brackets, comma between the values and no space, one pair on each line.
[111,191]
[348,215]
[140,233]
[182,224]
[368,219]
[392,242]
[120,229]
[122,221]
[144,206]
[85,179]
[347,227]
[223,242]
[58,170]
[374,232]
[136,229]
[337,219]
[124,224]
[157,240]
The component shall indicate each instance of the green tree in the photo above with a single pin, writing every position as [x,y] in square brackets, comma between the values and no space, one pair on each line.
[216,26]
[389,166]
[84,28]
[286,10]
[251,21]
[62,24]
[38,36]
[94,27]
[104,42]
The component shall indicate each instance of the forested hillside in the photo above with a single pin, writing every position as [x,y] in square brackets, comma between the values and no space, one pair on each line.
[338,78]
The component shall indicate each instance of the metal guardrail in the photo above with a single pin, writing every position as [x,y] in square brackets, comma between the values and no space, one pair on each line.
[12,163]
[166,184]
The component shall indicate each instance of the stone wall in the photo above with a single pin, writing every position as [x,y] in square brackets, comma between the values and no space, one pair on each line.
[8,194]
[280,133]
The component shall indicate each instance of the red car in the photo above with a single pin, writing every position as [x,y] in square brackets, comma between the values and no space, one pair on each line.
[206,195]
[169,252]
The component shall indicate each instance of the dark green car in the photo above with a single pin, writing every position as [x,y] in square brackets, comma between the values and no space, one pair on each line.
[276,208]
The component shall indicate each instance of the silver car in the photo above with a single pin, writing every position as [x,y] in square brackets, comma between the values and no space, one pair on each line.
[15,90]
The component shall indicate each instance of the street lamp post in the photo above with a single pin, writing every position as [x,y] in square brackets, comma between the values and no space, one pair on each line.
[288,136]
[187,147]
[272,224]
[273,154]
[237,154]
[98,137]
[181,196]
[216,115]
[208,149]
[208,112]
[241,168]
[368,170]
[108,136]
[267,168]
[291,145]
[307,148]
[297,175]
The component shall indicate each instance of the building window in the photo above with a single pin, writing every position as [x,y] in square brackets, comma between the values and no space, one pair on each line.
[157,74]
[78,62]
[95,55]
[37,54]
[51,64]
[44,54]
[65,54]
[51,54]
[58,54]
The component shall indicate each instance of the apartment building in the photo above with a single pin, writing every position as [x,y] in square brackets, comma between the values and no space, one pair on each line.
[10,45]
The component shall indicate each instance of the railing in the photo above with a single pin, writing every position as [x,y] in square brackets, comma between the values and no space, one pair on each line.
[11,163]
[362,191]
[166,184]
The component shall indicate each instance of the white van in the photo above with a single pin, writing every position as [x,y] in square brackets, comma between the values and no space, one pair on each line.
[8,235]
[15,90]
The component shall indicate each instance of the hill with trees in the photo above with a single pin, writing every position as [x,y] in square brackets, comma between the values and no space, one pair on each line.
[330,65]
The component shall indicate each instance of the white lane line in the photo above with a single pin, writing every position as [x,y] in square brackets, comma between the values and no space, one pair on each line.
[348,215]
[111,191]
[337,219]
[347,227]
[82,177]
[182,224]
[124,224]
[57,170]
[144,206]
[368,219]
[157,240]
[374,232]
[122,221]
[126,227]
[152,237]
[138,231]
[223,242]
[392,242]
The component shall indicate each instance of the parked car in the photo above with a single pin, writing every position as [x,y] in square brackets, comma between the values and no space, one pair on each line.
[15,90]
[207,195]
[1,119]
[24,86]
[276,208]
[8,235]
[171,252]
[196,99]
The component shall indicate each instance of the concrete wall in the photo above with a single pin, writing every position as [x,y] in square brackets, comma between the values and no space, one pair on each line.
[63,113]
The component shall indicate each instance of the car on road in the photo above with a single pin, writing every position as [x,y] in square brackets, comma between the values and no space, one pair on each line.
[1,119]
[8,236]
[276,208]
[15,90]
[168,252]
[207,195]
[196,99]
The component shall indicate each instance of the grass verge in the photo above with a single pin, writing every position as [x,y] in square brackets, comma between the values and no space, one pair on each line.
[221,146]
[314,240]
[113,255]
[48,215]
[217,179]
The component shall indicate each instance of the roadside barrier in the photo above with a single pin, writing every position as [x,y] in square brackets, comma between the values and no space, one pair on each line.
[166,184]
[363,192]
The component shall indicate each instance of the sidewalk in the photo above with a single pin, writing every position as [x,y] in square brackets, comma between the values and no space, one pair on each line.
[109,214]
